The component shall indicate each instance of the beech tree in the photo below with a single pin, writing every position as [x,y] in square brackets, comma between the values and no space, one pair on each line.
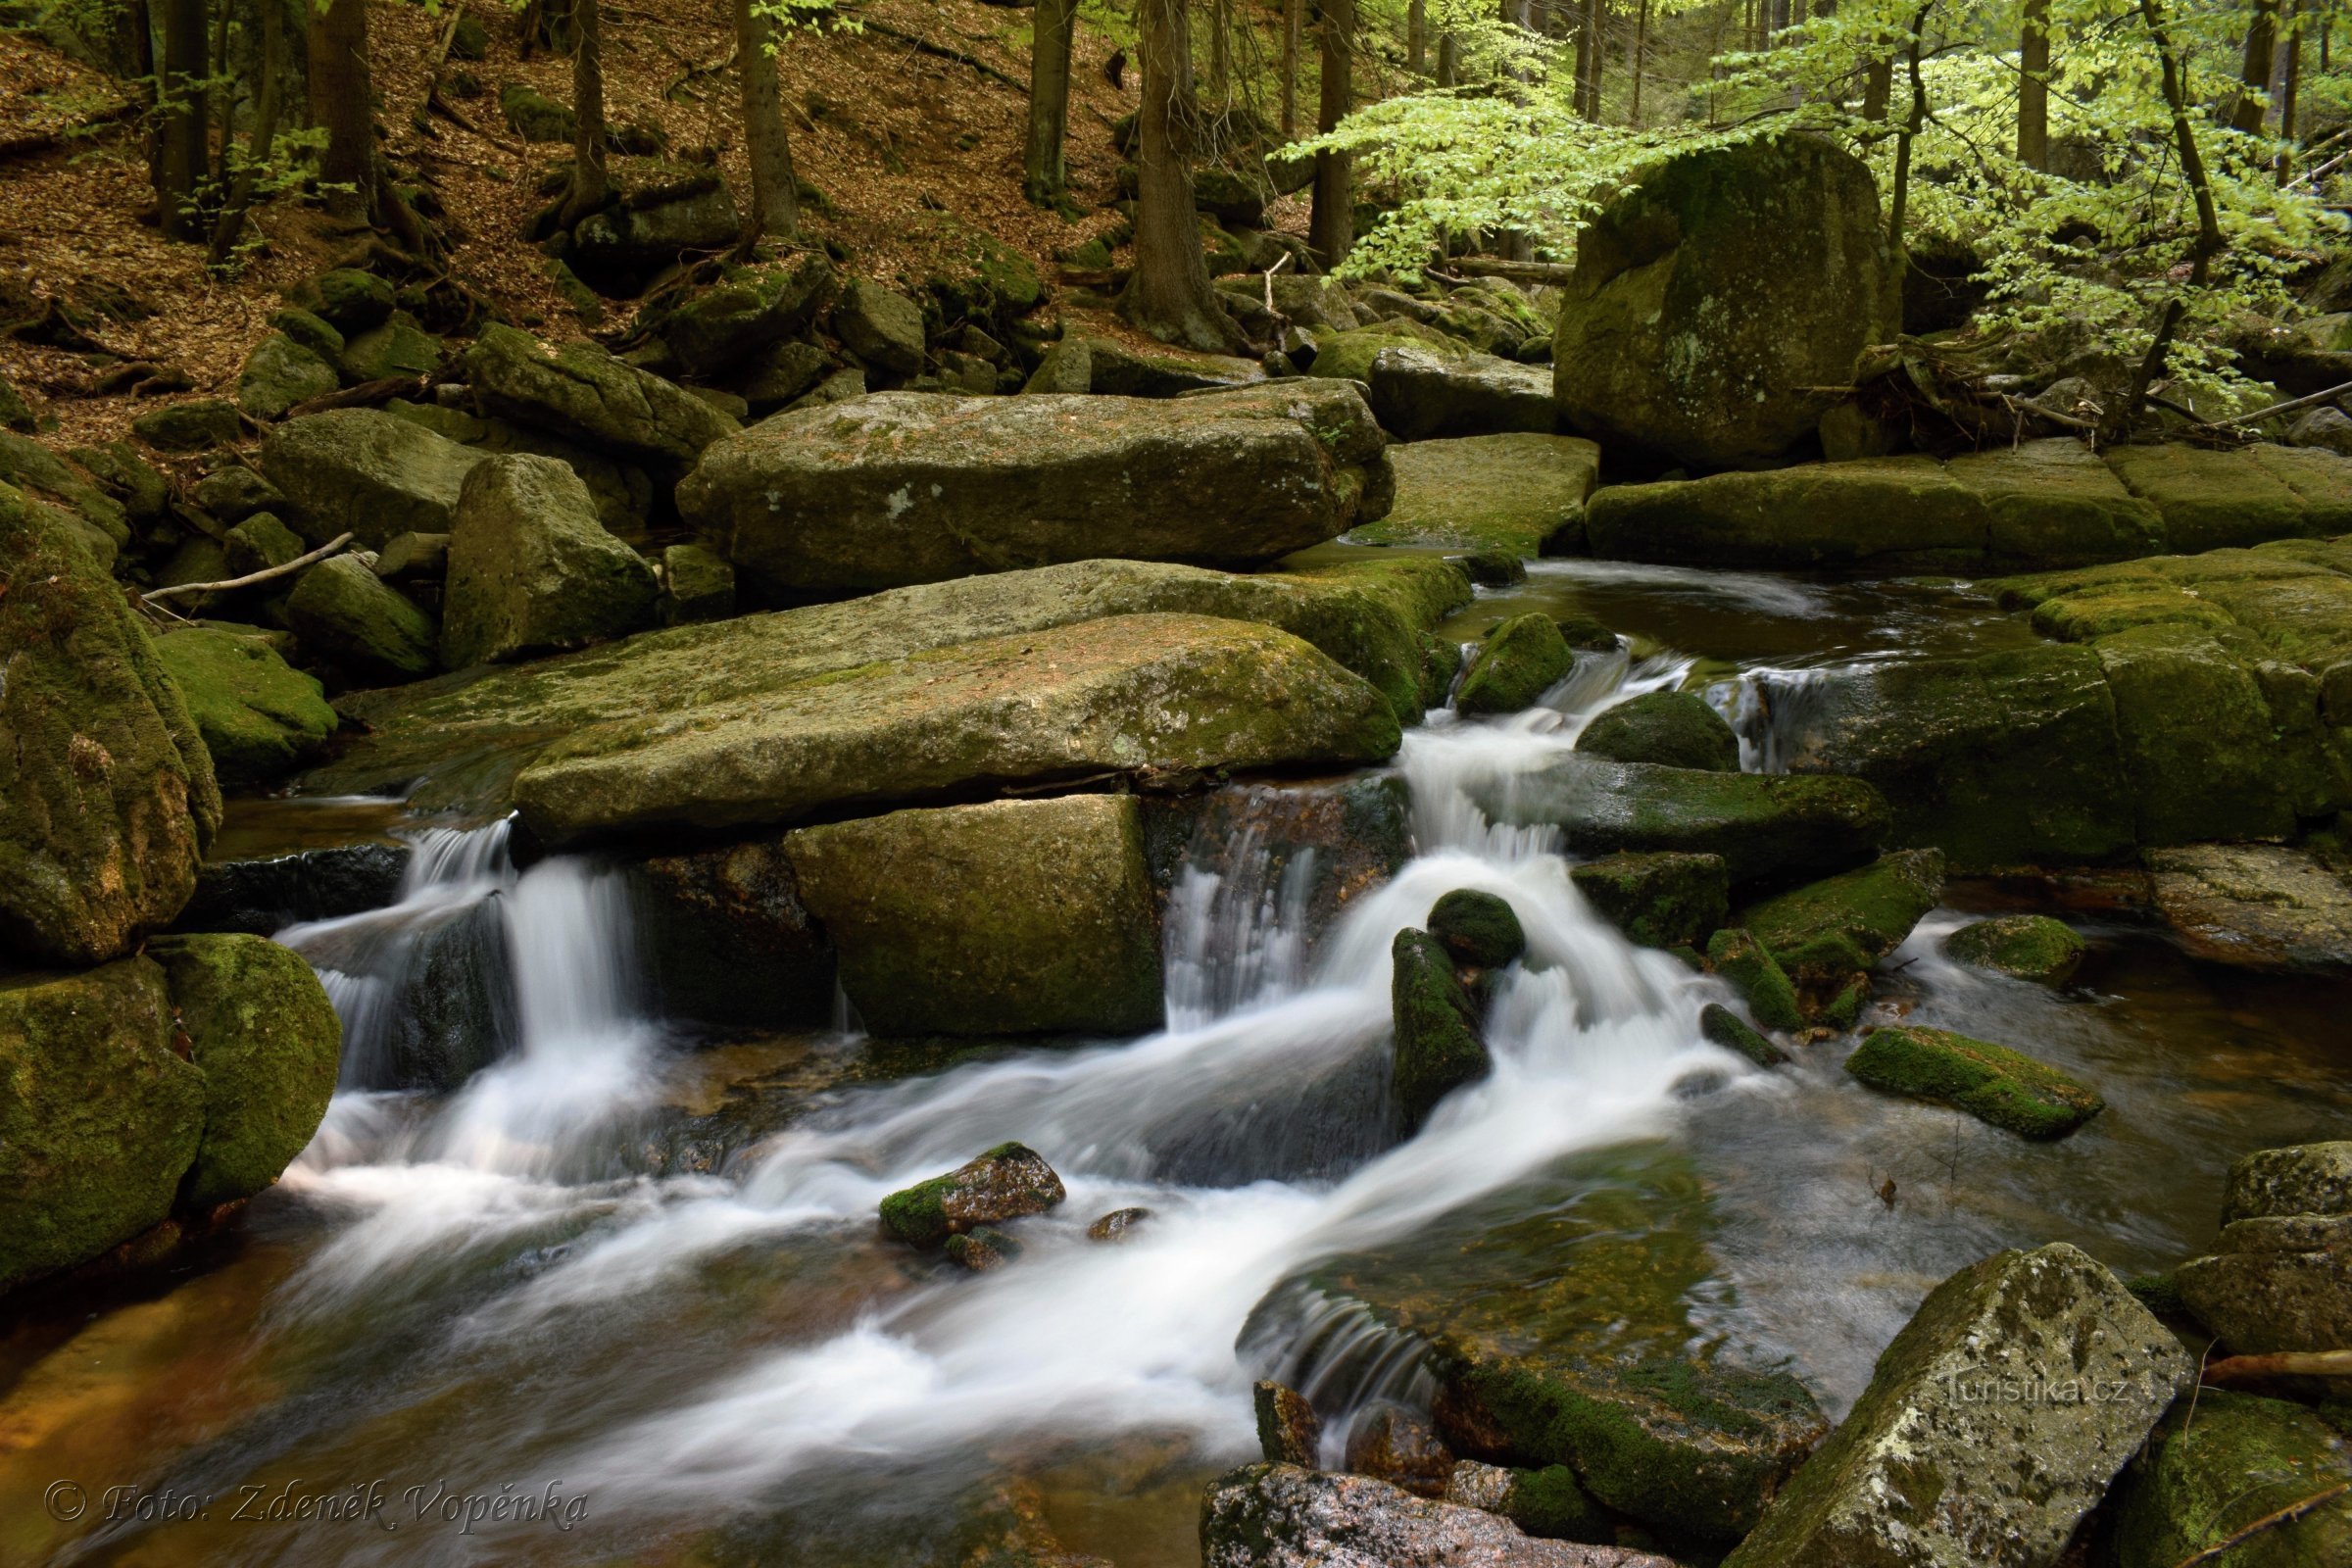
[1054,34]
[1169,294]
[342,100]
[775,187]
[183,131]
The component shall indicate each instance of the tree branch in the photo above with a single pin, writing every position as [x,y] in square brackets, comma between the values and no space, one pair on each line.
[252,577]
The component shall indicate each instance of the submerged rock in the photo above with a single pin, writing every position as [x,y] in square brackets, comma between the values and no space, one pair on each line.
[2024,947]
[909,487]
[1674,729]
[1477,929]
[1390,1442]
[1006,1183]
[1009,917]
[531,568]
[1661,900]
[1519,661]
[1282,1517]
[367,473]
[1991,1426]
[1720,1025]
[1828,930]
[1522,493]
[1440,1041]
[1991,1083]
[2225,1465]
[259,718]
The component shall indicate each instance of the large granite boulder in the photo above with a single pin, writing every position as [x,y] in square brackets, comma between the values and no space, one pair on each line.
[1716,304]
[912,487]
[280,373]
[1520,492]
[531,569]
[623,489]
[2280,1277]
[1419,394]
[259,716]
[1675,729]
[359,626]
[2255,905]
[1285,1516]
[583,392]
[108,798]
[1993,1425]
[1007,917]
[364,472]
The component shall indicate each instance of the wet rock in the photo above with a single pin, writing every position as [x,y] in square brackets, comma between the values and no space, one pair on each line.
[1289,1432]
[730,941]
[1828,930]
[1992,1427]
[1478,929]
[531,569]
[258,717]
[1519,661]
[1009,917]
[882,327]
[1674,729]
[1006,1183]
[266,1038]
[1651,352]
[1282,1517]
[2225,1465]
[446,981]
[190,427]
[1441,1043]
[107,794]
[1117,1225]
[744,319]
[1663,900]
[1419,394]
[1991,1083]
[1390,1442]
[265,895]
[2024,947]
[698,584]
[367,473]
[1111,369]
[1493,568]
[1520,492]
[344,615]
[2210,500]
[280,373]
[2299,1179]
[583,392]
[907,487]
[1752,970]
[1548,1504]
[2259,905]
[102,1118]
[1761,824]
[983,1250]
[1720,1025]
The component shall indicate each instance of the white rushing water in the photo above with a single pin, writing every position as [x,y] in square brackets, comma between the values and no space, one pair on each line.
[1253,1128]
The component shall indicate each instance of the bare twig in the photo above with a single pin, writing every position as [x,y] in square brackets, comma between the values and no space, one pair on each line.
[252,577]
[1270,272]
[2288,407]
[2268,1521]
[2283,1364]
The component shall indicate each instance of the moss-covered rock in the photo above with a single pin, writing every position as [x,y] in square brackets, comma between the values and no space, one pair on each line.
[1289,1432]
[342,613]
[400,347]
[1478,929]
[741,318]
[2199,739]
[2224,1466]
[976,276]
[1991,1083]
[98,1118]
[2298,1179]
[1441,1044]
[583,392]
[1549,1504]
[1520,492]
[2025,947]
[2212,500]
[1111,369]
[1519,661]
[1993,1425]
[260,542]
[280,373]
[1674,729]
[1347,355]
[1720,1025]
[1420,393]
[367,473]
[2277,1283]
[189,426]
[259,718]
[1753,971]
[130,479]
[108,800]
[1826,931]
[41,475]
[696,585]
[345,298]
[622,488]
[266,1038]
[1006,1183]
[15,414]
[1663,900]
[1009,917]
[531,569]
[881,326]
[532,115]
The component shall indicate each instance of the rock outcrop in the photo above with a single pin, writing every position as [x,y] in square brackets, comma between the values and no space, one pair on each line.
[531,569]
[1524,493]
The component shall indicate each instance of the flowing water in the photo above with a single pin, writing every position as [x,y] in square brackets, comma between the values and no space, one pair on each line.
[495,1294]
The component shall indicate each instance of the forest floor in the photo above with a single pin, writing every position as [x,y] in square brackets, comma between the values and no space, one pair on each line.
[882,130]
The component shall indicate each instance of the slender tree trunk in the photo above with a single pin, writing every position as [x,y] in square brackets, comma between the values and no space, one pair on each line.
[1589,58]
[342,99]
[2126,412]
[591,180]
[265,111]
[224,99]
[1900,190]
[1220,50]
[2034,86]
[1331,228]
[2289,106]
[1294,14]
[1169,296]
[2262,37]
[1449,61]
[1417,36]
[181,160]
[1878,87]
[1633,115]
[775,189]
[1044,172]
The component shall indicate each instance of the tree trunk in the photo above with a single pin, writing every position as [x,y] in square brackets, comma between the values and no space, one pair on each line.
[2288,105]
[1331,228]
[1901,186]
[1633,115]
[224,99]
[1220,50]
[1169,296]
[2262,37]
[342,99]
[264,131]
[1878,88]
[180,156]
[1449,61]
[591,182]
[775,189]
[1293,19]
[1416,38]
[1588,60]
[2034,86]
[1044,172]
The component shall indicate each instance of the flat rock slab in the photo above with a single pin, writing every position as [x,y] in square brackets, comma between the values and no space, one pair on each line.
[1520,492]
[2259,905]
[906,487]
[1992,1426]
[367,473]
[1418,393]
[1284,1516]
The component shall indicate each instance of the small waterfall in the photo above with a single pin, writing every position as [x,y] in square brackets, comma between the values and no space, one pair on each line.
[1235,932]
[1338,1355]
[1780,716]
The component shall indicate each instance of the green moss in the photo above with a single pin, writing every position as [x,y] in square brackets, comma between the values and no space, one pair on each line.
[259,716]
[2160,1294]
[1993,1083]
[1750,967]
[1659,899]
[2215,1469]
[1520,660]
[918,1214]
[1726,1028]
[1552,1503]
[1675,729]
[2199,741]
[1005,1183]
[1348,356]
[1439,1044]
[2028,947]
[343,615]
[1827,931]
[1479,929]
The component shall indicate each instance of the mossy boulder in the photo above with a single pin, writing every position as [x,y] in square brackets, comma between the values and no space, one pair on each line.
[696,585]
[532,115]
[1477,929]
[1347,356]
[1720,1025]
[976,276]
[1007,917]
[1111,369]
[260,542]
[130,479]
[1659,899]
[2024,947]
[345,298]
[280,373]
[400,347]
[531,569]
[189,426]
[2213,500]
[259,718]
[1439,1039]
[1992,1427]
[743,316]
[1674,729]
[2199,739]
[41,475]
[881,326]
[367,473]
[1006,1183]
[907,487]
[266,1038]
[2298,1179]
[345,616]
[621,487]
[1550,1505]
[2277,1283]
[108,798]
[1519,492]
[1991,1083]
[1519,661]
[15,414]
[1827,931]
[98,1118]
[2227,1466]
[1420,394]
[583,392]
[1752,970]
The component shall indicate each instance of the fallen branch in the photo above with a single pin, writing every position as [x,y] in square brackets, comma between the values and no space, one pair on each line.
[366,395]
[2288,407]
[252,577]
[1516,271]
[693,70]
[2268,1521]
[2282,1364]
[1270,272]
[940,51]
